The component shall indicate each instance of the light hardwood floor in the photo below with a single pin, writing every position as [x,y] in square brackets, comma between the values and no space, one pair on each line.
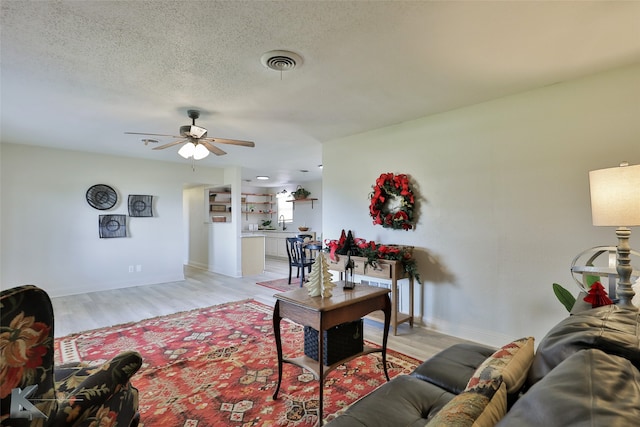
[202,288]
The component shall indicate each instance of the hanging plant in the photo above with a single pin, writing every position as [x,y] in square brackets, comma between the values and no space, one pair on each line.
[300,193]
[392,202]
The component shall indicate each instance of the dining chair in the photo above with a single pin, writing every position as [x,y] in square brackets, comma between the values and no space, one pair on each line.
[297,258]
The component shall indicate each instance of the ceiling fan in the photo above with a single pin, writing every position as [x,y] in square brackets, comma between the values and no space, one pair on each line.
[198,144]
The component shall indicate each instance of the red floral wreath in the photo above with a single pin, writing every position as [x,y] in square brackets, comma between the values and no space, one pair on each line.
[387,187]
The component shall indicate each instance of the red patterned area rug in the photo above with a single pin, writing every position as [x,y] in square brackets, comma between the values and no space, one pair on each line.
[281,285]
[217,366]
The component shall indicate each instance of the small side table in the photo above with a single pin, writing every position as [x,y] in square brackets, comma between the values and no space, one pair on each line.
[386,269]
[324,313]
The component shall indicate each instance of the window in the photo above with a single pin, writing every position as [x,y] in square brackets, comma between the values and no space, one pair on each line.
[284,208]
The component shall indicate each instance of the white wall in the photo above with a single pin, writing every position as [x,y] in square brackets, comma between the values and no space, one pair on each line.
[504,198]
[225,237]
[50,233]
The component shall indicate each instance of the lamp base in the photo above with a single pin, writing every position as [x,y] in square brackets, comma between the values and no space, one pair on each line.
[625,291]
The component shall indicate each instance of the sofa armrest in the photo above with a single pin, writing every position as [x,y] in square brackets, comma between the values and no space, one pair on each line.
[589,388]
[451,368]
[609,328]
[92,388]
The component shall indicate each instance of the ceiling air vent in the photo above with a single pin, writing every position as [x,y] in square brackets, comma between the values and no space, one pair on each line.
[281,60]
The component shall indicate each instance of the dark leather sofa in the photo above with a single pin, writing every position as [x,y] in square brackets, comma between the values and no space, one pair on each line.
[585,372]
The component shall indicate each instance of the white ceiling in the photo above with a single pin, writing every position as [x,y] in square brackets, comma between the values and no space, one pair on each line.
[77,75]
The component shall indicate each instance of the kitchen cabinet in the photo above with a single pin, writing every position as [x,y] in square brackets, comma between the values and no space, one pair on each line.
[271,246]
[282,247]
[275,242]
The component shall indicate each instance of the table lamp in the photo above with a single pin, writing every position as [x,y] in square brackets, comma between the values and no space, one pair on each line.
[615,201]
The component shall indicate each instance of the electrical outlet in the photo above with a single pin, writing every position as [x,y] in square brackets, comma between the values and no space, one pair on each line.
[138,268]
[131,269]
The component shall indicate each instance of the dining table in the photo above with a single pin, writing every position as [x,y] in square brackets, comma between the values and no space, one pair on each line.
[311,248]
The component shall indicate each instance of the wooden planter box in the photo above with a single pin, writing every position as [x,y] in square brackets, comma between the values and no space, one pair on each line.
[383,270]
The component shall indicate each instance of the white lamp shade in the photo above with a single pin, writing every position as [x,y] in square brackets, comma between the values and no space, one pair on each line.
[200,152]
[187,150]
[615,196]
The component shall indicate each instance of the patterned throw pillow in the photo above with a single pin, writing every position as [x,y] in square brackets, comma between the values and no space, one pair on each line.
[484,401]
[481,405]
[512,362]
[495,409]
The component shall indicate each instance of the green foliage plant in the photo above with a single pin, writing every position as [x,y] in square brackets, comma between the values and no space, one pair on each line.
[565,297]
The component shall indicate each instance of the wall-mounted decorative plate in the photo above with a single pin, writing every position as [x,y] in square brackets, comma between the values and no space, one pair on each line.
[140,205]
[112,226]
[101,197]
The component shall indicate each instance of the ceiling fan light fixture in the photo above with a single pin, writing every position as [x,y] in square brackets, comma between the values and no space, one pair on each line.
[196,143]
[187,150]
[193,131]
[200,152]
[197,131]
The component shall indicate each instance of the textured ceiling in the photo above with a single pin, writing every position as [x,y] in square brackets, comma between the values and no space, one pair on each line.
[77,75]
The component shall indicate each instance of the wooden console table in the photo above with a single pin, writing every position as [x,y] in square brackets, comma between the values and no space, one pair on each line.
[322,314]
[386,269]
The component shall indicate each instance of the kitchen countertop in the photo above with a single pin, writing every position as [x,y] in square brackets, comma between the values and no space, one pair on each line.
[294,231]
[267,233]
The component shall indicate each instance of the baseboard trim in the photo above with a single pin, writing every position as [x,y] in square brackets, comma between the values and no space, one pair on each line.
[200,265]
[463,332]
[97,287]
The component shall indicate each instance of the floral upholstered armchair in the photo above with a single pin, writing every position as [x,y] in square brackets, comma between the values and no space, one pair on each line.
[69,395]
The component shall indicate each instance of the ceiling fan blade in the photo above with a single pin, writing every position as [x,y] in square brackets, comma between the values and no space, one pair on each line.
[171,144]
[232,142]
[152,134]
[215,150]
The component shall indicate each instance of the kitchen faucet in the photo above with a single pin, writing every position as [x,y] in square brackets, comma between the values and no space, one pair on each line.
[282,218]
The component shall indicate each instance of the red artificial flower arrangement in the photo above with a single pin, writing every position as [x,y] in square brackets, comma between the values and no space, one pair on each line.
[388,187]
[373,252]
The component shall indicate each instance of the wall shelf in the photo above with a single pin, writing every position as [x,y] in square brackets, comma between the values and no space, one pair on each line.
[257,204]
[219,208]
[294,201]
